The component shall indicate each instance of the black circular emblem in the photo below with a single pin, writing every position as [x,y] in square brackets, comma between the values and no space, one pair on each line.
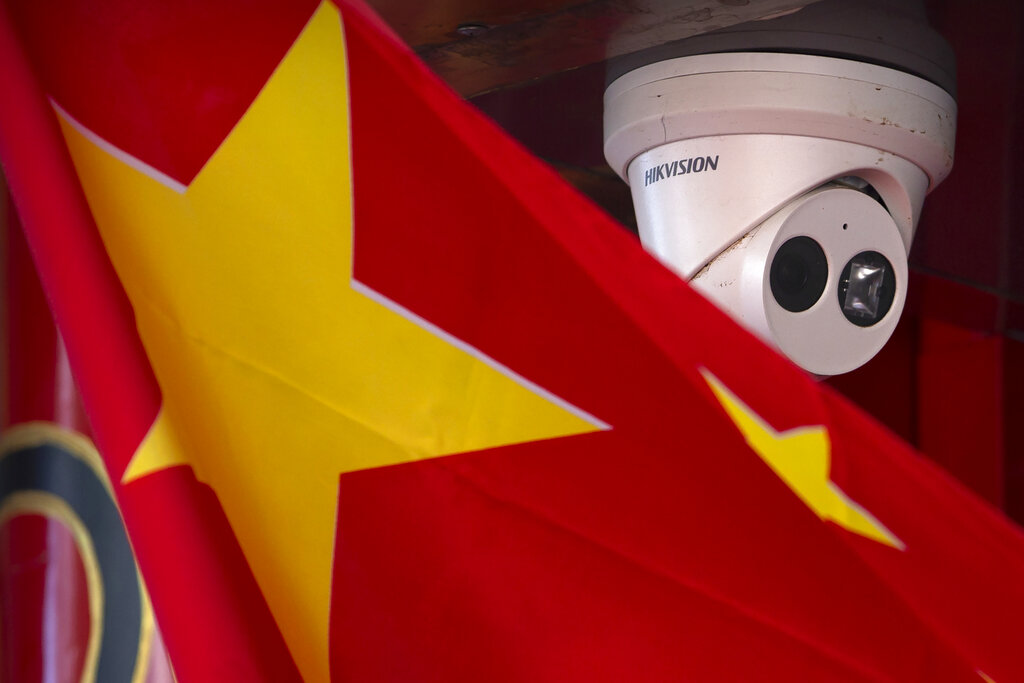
[41,458]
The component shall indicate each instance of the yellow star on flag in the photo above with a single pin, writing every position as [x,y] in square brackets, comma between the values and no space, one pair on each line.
[802,458]
[278,371]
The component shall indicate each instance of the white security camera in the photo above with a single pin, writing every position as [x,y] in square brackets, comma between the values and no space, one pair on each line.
[785,187]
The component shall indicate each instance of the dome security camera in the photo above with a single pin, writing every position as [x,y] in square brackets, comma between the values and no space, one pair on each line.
[785,187]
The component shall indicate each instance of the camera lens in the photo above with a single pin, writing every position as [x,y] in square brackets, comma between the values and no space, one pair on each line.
[867,288]
[799,273]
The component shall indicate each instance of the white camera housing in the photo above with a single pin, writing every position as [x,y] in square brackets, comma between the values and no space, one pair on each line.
[729,156]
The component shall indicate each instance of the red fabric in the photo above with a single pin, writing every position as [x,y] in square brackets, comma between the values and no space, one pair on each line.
[662,549]
[29,339]
[215,621]
[45,619]
[163,81]
[72,263]
[706,547]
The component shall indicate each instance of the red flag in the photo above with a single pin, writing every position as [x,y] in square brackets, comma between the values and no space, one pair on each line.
[72,603]
[388,400]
